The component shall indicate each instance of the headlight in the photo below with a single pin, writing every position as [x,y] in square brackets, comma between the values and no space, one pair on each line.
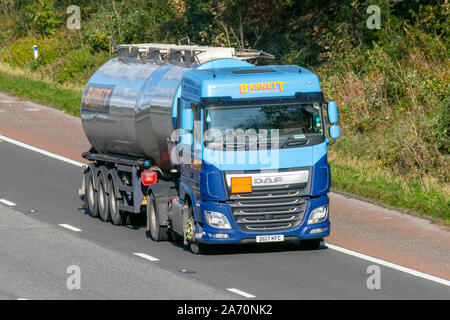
[217,220]
[318,215]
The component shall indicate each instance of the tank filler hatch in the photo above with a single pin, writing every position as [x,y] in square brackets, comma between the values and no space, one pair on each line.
[184,54]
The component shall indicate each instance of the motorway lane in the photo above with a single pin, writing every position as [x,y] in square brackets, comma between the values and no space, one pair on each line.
[36,258]
[356,225]
[34,181]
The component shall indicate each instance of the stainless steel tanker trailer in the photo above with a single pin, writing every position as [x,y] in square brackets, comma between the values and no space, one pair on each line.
[133,105]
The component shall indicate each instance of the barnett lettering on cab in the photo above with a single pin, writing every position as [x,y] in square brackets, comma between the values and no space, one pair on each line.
[261,86]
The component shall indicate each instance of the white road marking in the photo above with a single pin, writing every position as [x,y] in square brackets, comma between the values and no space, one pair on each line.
[331,246]
[21,299]
[242,293]
[23,110]
[68,226]
[45,153]
[8,203]
[145,256]
[389,265]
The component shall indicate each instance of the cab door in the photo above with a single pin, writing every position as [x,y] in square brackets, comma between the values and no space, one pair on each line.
[191,146]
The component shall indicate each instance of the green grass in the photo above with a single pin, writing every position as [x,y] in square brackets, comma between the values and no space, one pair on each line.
[393,190]
[67,100]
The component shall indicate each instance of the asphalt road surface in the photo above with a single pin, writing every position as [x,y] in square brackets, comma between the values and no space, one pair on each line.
[45,235]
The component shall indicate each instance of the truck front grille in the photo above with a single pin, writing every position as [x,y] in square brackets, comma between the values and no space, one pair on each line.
[268,210]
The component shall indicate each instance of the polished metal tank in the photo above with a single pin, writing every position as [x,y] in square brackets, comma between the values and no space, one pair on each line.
[129,104]
[127,108]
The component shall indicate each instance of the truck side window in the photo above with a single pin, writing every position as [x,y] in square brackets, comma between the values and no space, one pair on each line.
[197,122]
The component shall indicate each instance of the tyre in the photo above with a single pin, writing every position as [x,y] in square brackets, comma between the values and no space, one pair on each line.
[157,232]
[199,248]
[102,199]
[175,237]
[118,217]
[310,244]
[194,245]
[91,195]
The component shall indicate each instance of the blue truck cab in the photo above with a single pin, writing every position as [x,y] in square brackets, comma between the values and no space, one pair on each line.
[211,148]
[253,143]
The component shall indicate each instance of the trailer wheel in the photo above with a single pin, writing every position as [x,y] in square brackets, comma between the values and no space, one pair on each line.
[102,199]
[91,195]
[157,232]
[117,216]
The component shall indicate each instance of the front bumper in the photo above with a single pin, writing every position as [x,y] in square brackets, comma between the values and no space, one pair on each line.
[207,234]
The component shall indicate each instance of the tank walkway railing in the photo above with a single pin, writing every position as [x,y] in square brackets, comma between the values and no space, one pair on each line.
[184,54]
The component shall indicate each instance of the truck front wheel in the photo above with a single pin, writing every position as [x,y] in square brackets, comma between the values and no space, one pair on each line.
[310,244]
[199,248]
[195,246]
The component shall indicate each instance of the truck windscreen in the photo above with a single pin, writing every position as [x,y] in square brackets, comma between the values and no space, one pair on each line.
[285,125]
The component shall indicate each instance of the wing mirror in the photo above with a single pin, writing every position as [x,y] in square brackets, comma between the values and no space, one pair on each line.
[187,119]
[332,112]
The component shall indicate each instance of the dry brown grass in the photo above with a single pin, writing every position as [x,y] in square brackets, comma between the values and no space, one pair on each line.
[38,76]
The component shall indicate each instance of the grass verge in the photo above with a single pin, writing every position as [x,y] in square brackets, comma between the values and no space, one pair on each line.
[364,178]
[21,86]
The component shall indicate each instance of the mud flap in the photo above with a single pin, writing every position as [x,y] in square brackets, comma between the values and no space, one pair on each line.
[81,191]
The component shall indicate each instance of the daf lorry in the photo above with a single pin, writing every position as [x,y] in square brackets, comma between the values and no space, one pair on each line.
[212,149]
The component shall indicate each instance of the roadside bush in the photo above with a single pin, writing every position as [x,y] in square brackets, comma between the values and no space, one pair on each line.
[43,15]
[20,53]
[78,66]
[393,93]
[97,41]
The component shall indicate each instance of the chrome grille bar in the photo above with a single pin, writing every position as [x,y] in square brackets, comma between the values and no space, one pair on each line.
[241,212]
[266,196]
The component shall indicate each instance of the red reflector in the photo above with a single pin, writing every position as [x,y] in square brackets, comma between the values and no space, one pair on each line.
[172,199]
[149,177]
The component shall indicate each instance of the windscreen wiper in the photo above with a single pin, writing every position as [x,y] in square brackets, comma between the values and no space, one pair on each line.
[292,141]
